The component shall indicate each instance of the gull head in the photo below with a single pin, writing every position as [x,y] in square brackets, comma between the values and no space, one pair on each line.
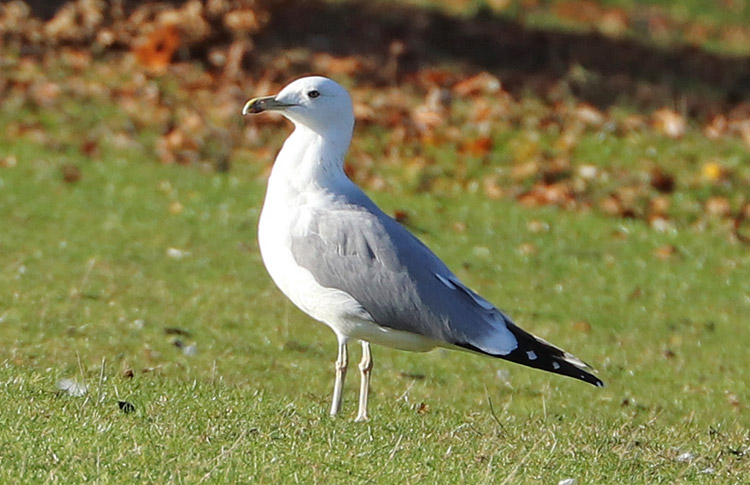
[315,102]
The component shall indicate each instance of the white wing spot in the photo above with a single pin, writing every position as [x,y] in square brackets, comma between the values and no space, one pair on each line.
[555,365]
[445,282]
[531,354]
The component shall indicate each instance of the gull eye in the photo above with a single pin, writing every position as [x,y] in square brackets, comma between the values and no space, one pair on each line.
[313,94]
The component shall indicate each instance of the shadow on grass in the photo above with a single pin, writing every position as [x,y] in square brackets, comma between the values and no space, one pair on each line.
[526,59]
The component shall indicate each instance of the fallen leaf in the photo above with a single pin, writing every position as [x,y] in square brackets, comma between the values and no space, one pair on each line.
[589,115]
[401,216]
[536,226]
[659,206]
[71,173]
[716,128]
[527,249]
[482,83]
[557,193]
[8,161]
[741,226]
[157,50]
[669,123]
[492,187]
[478,147]
[661,180]
[718,206]
[665,252]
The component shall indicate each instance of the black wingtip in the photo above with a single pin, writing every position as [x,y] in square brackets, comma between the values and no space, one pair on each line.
[535,352]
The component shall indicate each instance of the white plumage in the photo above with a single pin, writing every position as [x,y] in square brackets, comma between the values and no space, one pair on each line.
[344,262]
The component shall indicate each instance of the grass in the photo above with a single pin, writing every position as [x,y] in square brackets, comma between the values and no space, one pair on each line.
[98,274]
[142,283]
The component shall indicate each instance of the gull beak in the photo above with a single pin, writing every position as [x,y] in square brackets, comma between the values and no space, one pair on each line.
[265,103]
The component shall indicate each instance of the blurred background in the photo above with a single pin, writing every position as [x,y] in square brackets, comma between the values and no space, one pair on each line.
[452,74]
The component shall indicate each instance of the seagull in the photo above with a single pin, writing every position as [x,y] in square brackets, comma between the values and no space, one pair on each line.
[340,259]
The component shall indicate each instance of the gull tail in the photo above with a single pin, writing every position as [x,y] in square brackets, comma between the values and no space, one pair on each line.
[533,351]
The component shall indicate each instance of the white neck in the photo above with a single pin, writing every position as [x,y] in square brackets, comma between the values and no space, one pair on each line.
[309,160]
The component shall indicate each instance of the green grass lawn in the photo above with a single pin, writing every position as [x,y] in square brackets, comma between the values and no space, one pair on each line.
[140,283]
[718,26]
[143,283]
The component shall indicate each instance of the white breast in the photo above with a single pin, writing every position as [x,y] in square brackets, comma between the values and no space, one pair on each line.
[337,309]
[302,182]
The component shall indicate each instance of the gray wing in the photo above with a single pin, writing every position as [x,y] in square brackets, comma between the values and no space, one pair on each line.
[397,279]
[403,285]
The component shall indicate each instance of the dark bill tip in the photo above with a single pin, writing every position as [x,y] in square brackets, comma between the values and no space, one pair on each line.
[259,105]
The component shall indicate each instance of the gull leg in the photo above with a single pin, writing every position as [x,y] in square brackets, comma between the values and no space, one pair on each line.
[341,363]
[365,366]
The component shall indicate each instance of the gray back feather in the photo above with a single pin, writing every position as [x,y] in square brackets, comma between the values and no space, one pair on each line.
[398,280]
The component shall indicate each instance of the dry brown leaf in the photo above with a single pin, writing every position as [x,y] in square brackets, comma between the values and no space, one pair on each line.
[733,400]
[76,21]
[741,226]
[669,123]
[537,226]
[697,33]
[401,216]
[157,50]
[45,93]
[589,115]
[665,252]
[189,19]
[718,206]
[482,83]
[527,249]
[613,22]
[634,122]
[558,194]
[743,128]
[71,173]
[716,128]
[662,180]
[459,227]
[478,147]
[336,66]
[556,169]
[612,206]
[90,148]
[526,170]
[492,187]
[244,21]
[8,161]
[659,205]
